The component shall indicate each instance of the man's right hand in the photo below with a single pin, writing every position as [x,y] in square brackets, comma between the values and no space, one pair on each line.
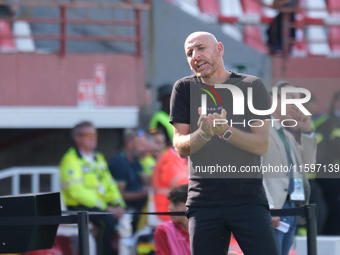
[205,124]
[276,221]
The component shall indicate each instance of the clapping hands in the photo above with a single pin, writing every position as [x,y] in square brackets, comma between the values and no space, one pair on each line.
[212,124]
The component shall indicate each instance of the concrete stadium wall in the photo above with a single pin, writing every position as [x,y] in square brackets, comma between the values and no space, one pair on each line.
[49,80]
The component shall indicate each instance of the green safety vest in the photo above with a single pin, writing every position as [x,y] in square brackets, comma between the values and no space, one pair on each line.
[88,185]
[162,118]
[315,124]
[335,134]
[320,120]
[319,138]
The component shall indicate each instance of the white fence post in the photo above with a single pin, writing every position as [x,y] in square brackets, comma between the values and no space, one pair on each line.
[35,183]
[16,184]
[35,172]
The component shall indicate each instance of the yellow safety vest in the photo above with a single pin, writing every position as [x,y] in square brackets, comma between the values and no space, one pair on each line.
[86,184]
[148,163]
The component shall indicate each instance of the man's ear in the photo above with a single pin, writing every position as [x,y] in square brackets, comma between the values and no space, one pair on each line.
[76,139]
[220,49]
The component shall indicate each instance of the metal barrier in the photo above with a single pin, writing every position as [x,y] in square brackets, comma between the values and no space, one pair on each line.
[15,172]
[309,212]
[82,219]
[63,21]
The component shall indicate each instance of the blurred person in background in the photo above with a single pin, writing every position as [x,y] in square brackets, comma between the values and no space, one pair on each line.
[87,185]
[335,134]
[320,124]
[160,120]
[147,96]
[160,140]
[9,10]
[170,171]
[288,190]
[127,170]
[274,31]
[172,237]
[331,186]
[146,111]
[155,147]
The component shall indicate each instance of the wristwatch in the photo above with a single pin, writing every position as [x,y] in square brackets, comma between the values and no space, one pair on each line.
[227,134]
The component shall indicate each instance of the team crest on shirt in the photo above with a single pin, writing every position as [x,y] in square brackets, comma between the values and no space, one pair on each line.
[219,108]
[70,172]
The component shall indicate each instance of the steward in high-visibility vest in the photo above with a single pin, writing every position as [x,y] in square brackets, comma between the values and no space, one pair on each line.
[88,185]
[328,181]
[321,126]
[160,120]
[335,132]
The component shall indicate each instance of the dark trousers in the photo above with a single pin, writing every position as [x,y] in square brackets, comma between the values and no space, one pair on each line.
[274,32]
[285,240]
[317,197]
[106,224]
[331,190]
[210,229]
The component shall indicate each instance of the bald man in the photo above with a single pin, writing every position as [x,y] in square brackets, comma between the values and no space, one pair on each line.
[220,145]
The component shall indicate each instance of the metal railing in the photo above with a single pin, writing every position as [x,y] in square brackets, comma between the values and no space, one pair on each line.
[15,172]
[63,21]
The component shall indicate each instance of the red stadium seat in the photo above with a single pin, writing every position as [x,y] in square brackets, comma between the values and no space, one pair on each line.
[333,4]
[253,37]
[334,38]
[6,43]
[334,32]
[209,6]
[251,7]
[252,34]
[316,33]
[231,12]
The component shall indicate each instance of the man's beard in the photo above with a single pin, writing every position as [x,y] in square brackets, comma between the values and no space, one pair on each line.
[211,73]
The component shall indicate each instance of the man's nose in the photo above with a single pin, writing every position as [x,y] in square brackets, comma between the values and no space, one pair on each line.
[196,55]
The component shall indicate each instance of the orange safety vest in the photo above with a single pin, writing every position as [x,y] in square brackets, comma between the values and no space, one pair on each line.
[233,246]
[170,171]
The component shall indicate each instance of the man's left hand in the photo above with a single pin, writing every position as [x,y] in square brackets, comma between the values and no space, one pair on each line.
[219,129]
[303,121]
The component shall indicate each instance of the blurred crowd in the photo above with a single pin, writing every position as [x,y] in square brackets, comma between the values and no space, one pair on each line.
[142,174]
[325,186]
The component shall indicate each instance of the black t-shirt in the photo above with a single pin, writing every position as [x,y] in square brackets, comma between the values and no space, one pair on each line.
[221,187]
